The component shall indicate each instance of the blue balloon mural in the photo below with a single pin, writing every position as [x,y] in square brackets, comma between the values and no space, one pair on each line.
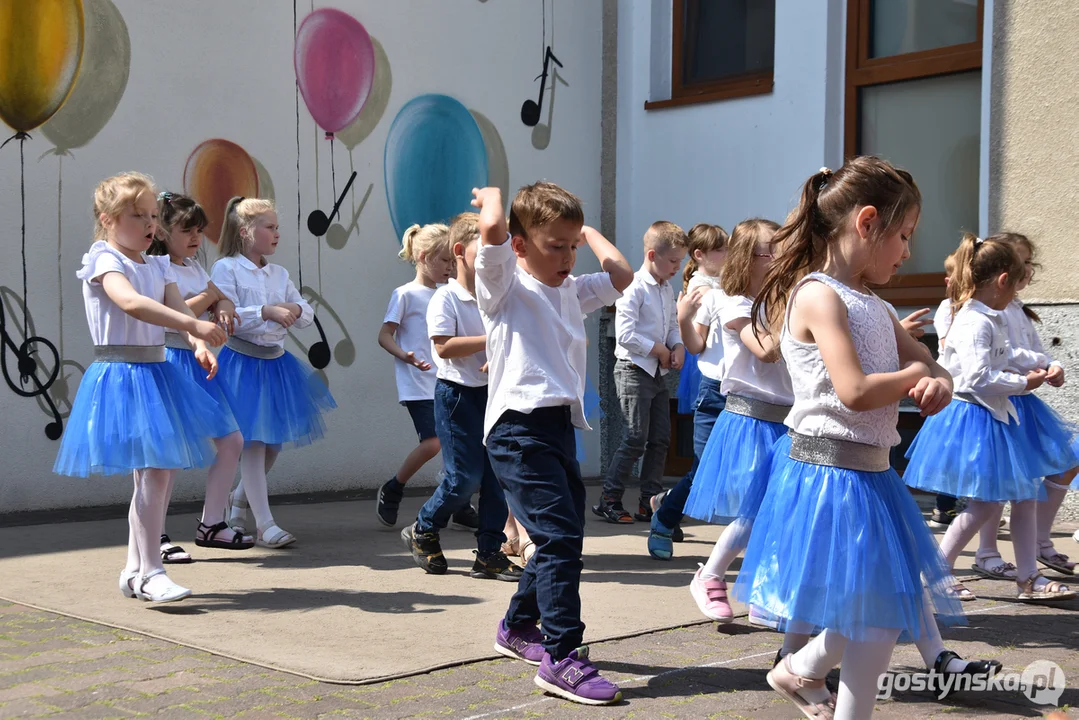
[435,155]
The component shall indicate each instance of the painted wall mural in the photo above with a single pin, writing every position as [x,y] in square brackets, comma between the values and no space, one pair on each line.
[335,67]
[215,172]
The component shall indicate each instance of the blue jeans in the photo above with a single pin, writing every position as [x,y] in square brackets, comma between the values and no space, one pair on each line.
[459,422]
[709,405]
[535,455]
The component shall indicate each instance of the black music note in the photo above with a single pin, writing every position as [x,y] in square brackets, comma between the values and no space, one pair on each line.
[318,222]
[319,352]
[27,366]
[530,110]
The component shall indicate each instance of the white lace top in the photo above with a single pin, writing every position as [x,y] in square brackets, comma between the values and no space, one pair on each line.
[698,279]
[817,410]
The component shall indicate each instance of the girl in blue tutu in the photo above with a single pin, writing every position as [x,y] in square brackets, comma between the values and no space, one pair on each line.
[839,544]
[182,222]
[977,447]
[275,398]
[134,411]
[706,252]
[736,459]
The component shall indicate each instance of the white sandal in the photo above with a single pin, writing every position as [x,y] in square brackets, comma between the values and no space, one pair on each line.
[274,537]
[126,583]
[236,510]
[171,593]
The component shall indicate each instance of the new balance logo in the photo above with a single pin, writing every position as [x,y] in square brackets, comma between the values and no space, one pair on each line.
[519,644]
[572,676]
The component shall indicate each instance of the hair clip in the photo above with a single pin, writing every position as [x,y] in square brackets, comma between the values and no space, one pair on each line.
[166,196]
[827,174]
[978,241]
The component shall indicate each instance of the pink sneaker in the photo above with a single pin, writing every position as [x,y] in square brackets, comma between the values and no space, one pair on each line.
[711,596]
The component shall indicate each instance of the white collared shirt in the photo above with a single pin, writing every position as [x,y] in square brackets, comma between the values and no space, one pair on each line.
[250,288]
[644,316]
[743,372]
[453,312]
[977,357]
[710,361]
[536,353]
[109,325]
[942,320]
[1027,351]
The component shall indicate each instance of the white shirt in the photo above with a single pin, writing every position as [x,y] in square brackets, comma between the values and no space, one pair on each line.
[743,372]
[699,279]
[1027,351]
[408,310]
[942,320]
[644,316]
[977,356]
[453,312]
[250,288]
[191,280]
[536,354]
[109,325]
[710,361]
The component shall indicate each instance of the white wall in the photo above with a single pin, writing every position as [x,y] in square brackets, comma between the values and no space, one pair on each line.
[204,69]
[721,162]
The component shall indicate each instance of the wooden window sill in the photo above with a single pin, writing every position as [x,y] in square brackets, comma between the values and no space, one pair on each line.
[737,89]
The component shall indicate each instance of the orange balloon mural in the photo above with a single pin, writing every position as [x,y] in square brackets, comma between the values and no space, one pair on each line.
[40,50]
[216,171]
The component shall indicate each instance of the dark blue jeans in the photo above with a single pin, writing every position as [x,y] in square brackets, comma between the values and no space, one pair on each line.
[459,423]
[708,407]
[535,455]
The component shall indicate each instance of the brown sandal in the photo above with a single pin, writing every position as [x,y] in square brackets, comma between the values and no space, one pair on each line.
[1056,561]
[962,592]
[528,549]
[512,547]
[783,680]
[1052,590]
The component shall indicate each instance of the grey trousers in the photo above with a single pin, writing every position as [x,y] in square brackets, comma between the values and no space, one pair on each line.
[646,407]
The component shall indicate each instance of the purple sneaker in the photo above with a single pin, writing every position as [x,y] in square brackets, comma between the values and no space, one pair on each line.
[576,678]
[521,644]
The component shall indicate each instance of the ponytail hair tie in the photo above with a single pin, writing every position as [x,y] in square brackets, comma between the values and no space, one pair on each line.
[978,241]
[825,173]
[166,196]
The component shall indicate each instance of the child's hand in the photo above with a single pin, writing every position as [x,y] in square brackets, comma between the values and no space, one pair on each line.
[931,395]
[689,304]
[278,314]
[1055,375]
[226,317]
[1035,378]
[207,331]
[484,368]
[920,368]
[483,196]
[661,353]
[915,322]
[678,357]
[207,360]
[411,359]
[492,214]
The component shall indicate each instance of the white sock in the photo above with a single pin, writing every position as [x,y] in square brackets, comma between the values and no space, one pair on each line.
[219,478]
[863,663]
[733,541]
[964,527]
[816,660]
[1047,512]
[253,478]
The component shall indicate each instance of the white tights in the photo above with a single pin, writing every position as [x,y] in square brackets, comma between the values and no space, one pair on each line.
[977,513]
[732,542]
[146,519]
[255,463]
[862,663]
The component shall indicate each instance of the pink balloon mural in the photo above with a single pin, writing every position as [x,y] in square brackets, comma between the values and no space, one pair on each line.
[335,67]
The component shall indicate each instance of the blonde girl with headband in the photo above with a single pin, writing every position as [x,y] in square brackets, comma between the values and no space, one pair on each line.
[977,447]
[134,411]
[404,336]
[276,398]
[182,222]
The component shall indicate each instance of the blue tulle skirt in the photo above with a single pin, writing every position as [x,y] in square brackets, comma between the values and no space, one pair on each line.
[964,451]
[739,451]
[689,385]
[275,401]
[1053,442]
[758,487]
[129,416]
[224,423]
[843,550]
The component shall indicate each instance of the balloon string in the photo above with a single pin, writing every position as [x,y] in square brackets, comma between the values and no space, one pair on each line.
[299,255]
[333,170]
[22,189]
[543,45]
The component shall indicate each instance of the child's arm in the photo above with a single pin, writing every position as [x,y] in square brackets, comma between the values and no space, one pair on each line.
[934,392]
[148,310]
[493,229]
[300,308]
[975,355]
[250,316]
[388,342]
[448,346]
[612,261]
[763,346]
[203,354]
[694,335]
[674,340]
[824,316]
[496,261]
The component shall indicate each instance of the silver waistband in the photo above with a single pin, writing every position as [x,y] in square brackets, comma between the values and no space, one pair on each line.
[129,353]
[965,397]
[839,453]
[756,409]
[250,349]
[176,341]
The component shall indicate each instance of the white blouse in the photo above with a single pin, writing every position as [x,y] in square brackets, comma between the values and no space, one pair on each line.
[1026,350]
[109,325]
[191,280]
[249,288]
[977,355]
[743,372]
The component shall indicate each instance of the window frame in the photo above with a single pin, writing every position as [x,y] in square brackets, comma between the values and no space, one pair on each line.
[863,71]
[745,85]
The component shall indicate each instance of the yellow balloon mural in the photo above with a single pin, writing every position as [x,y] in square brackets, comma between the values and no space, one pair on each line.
[40,50]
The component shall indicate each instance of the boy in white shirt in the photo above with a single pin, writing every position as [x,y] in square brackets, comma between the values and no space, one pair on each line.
[533,311]
[649,346]
[459,350]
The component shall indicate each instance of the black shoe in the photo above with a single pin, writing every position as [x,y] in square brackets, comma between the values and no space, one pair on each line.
[644,510]
[465,519]
[612,511]
[389,501]
[942,519]
[677,535]
[495,566]
[425,549]
[987,668]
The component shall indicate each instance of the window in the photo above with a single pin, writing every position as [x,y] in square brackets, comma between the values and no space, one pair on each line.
[914,97]
[720,49]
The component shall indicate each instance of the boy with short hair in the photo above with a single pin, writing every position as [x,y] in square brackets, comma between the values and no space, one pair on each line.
[533,312]
[649,346]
